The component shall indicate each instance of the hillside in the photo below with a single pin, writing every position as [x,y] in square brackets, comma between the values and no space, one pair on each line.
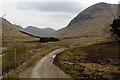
[93,21]
[43,32]
[12,33]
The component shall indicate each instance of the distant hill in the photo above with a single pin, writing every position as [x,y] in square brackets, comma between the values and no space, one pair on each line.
[93,21]
[43,32]
[11,32]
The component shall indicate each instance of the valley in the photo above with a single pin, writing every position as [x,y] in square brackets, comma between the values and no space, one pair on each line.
[86,49]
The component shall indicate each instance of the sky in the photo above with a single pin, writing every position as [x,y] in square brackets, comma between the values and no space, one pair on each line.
[54,14]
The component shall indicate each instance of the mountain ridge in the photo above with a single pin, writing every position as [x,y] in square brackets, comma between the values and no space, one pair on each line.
[90,22]
[43,32]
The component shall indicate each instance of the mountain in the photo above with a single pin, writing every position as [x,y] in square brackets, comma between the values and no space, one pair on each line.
[43,32]
[11,33]
[93,21]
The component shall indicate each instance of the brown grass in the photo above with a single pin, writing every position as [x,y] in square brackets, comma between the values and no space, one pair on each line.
[10,33]
[98,61]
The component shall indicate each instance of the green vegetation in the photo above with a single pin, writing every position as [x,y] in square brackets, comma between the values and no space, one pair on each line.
[95,62]
[22,55]
[115,30]
[28,62]
[48,39]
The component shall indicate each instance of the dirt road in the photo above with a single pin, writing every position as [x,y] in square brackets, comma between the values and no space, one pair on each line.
[45,68]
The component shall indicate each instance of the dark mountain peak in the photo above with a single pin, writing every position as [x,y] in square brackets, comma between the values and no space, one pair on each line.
[40,28]
[91,11]
[30,27]
[50,29]
[102,3]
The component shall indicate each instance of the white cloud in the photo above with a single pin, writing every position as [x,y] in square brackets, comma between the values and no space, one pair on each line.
[42,19]
[37,18]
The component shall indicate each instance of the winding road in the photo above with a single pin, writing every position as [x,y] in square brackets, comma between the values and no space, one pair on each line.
[45,68]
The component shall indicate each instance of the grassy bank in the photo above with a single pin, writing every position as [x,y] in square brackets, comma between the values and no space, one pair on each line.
[30,63]
[98,61]
[8,59]
[27,54]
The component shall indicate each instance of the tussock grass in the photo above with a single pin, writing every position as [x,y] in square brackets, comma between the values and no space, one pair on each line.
[98,61]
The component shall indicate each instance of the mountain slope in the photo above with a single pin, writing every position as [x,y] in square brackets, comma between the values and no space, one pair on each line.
[40,32]
[12,33]
[93,21]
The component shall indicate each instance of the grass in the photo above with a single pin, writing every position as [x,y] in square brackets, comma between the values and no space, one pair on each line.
[8,59]
[98,61]
[1,58]
[33,48]
[27,54]
[79,42]
[30,63]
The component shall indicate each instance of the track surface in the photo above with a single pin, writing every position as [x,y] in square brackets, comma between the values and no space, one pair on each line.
[45,68]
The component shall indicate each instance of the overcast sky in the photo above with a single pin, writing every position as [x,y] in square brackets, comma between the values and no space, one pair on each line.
[45,13]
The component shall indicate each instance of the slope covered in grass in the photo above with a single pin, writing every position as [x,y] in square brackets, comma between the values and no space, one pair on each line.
[93,21]
[12,33]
